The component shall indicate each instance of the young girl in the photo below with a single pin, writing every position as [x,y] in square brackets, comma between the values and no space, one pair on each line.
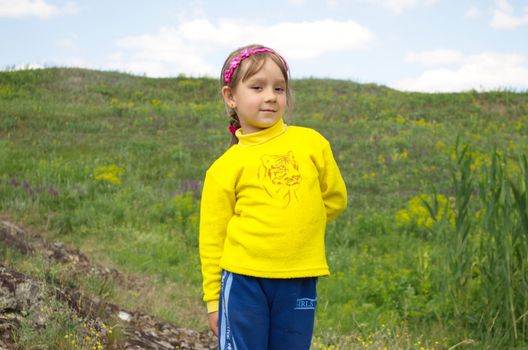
[265,205]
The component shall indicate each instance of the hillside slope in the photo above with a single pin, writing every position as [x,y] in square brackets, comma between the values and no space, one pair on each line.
[112,165]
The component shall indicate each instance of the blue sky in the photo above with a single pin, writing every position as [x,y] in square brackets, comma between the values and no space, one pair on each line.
[412,45]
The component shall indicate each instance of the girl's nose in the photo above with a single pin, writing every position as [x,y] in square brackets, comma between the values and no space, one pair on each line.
[270,95]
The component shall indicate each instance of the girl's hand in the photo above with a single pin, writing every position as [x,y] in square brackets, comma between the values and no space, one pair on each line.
[213,322]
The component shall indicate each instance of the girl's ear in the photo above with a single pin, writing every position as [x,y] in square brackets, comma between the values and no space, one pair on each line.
[229,98]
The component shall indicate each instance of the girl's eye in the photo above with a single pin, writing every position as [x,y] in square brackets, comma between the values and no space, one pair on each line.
[256,87]
[280,89]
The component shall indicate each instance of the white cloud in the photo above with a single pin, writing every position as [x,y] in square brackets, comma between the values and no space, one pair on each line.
[484,71]
[304,40]
[434,57]
[185,48]
[33,8]
[26,66]
[472,12]
[170,52]
[73,62]
[150,68]
[76,62]
[504,18]
[399,6]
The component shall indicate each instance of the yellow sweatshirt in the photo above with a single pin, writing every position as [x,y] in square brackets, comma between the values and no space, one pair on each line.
[265,205]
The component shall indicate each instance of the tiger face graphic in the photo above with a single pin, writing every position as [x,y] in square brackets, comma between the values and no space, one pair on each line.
[280,176]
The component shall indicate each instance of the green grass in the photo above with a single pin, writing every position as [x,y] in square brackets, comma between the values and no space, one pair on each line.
[62,130]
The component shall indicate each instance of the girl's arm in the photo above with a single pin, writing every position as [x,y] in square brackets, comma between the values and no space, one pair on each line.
[333,187]
[216,210]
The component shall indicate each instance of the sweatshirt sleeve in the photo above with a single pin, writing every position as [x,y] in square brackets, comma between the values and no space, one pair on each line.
[216,209]
[332,184]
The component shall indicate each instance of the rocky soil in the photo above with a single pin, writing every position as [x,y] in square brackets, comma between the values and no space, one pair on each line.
[21,295]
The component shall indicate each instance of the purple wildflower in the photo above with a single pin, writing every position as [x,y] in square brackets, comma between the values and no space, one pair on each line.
[27,187]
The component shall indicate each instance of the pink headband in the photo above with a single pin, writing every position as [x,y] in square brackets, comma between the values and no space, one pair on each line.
[235,62]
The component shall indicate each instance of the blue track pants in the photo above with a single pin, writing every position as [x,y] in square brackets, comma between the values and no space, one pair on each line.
[266,314]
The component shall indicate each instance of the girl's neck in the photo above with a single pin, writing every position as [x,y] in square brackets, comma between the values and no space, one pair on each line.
[261,136]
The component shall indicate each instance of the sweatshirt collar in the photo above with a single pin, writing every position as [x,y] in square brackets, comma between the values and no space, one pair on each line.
[262,136]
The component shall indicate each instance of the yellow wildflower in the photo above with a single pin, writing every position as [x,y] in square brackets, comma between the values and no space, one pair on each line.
[400,119]
[110,174]
[418,213]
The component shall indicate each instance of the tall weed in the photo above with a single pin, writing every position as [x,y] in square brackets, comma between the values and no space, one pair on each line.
[484,268]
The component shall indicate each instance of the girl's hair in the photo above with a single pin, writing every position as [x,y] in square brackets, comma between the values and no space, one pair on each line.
[255,62]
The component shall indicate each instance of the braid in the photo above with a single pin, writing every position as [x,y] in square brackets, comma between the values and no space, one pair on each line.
[235,123]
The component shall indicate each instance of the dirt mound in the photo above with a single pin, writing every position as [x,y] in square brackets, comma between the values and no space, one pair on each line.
[21,295]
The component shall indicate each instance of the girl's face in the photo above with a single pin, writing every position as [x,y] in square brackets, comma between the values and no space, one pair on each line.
[260,101]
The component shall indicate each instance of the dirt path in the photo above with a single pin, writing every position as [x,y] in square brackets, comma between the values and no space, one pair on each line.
[21,293]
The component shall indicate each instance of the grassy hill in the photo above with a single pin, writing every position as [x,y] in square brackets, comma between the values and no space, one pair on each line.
[113,164]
